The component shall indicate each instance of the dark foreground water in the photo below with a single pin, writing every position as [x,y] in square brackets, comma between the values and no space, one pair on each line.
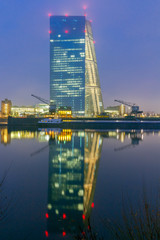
[55,180]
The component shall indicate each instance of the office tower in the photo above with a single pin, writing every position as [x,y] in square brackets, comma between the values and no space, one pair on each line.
[74,79]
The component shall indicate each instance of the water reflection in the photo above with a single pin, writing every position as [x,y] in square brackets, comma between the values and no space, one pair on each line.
[74,158]
[5,136]
[73,166]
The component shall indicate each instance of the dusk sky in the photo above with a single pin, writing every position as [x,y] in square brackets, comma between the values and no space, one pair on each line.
[127,35]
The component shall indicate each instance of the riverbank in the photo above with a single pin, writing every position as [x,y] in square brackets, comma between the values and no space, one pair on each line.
[86,123]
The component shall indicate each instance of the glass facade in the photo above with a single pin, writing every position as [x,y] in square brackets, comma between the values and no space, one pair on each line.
[93,95]
[67,62]
[74,80]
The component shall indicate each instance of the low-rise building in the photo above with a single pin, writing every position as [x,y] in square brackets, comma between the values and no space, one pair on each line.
[6,108]
[19,111]
[22,111]
[64,112]
[115,111]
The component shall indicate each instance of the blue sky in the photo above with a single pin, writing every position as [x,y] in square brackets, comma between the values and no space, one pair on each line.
[127,35]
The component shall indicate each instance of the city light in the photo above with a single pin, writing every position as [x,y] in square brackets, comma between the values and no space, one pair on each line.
[84,7]
[46,233]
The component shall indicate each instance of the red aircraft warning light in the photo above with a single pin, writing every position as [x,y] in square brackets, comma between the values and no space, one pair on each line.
[66,15]
[92,205]
[64,216]
[47,215]
[49,31]
[66,31]
[49,14]
[46,233]
[63,233]
[83,216]
[84,7]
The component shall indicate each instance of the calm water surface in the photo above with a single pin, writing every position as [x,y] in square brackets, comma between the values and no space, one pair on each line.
[56,179]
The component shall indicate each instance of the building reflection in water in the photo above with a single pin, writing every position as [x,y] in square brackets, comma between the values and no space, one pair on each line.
[5,136]
[73,165]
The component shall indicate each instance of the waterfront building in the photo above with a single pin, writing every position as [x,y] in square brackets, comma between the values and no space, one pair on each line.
[115,111]
[6,107]
[42,108]
[19,111]
[64,112]
[74,79]
[122,110]
[38,109]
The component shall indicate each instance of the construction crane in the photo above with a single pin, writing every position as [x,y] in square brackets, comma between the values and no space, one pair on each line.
[52,107]
[134,107]
[41,99]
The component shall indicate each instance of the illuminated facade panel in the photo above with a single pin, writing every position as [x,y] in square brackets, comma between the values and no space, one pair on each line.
[6,108]
[93,95]
[74,80]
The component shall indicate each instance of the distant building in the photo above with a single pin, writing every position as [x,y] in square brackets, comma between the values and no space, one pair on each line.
[18,111]
[42,108]
[74,79]
[122,110]
[115,110]
[64,112]
[6,107]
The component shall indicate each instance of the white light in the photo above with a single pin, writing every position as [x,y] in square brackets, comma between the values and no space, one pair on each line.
[80,193]
[49,206]
[80,207]
[56,211]
[56,185]
[47,137]
[71,191]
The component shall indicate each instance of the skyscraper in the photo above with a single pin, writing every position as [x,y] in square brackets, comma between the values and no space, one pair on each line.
[74,79]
